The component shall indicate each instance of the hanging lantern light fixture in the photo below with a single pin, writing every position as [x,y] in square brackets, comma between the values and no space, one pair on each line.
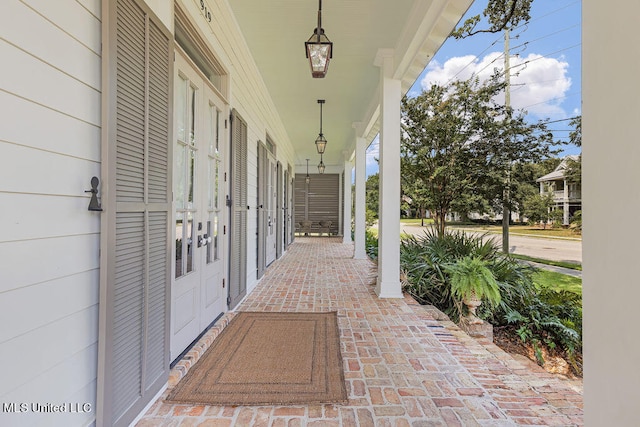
[321,166]
[321,141]
[319,49]
[307,178]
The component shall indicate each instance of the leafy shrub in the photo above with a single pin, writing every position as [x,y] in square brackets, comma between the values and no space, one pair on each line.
[576,222]
[557,217]
[371,245]
[550,317]
[427,261]
[370,217]
[540,317]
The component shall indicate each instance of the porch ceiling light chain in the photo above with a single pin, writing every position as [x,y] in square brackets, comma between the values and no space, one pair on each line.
[321,141]
[319,49]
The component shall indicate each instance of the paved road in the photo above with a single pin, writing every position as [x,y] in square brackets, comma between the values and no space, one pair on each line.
[538,247]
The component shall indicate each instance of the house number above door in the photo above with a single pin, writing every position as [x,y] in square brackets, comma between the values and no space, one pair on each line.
[206,10]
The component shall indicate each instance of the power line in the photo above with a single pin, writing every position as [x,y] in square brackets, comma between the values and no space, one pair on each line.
[485,67]
[474,59]
[548,14]
[561,120]
[552,34]
[525,84]
[553,99]
[546,56]
[523,45]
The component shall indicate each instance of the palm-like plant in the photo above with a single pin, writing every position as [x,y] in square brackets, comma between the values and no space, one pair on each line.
[472,282]
[539,316]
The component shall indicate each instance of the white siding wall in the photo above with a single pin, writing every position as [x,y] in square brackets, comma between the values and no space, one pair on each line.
[248,95]
[49,150]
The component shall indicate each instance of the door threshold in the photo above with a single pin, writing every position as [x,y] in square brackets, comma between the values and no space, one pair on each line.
[195,341]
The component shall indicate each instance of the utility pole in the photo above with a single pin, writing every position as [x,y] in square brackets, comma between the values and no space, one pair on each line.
[506,212]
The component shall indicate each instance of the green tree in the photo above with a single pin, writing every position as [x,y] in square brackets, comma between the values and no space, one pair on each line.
[556,216]
[416,190]
[500,15]
[372,187]
[573,171]
[438,127]
[575,136]
[537,207]
[460,144]
[515,142]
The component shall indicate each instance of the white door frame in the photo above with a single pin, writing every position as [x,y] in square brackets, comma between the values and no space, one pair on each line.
[199,274]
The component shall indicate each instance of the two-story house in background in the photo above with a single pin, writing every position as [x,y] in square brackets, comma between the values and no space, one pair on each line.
[567,195]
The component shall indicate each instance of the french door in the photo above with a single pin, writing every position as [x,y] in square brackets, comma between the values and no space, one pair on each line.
[198,286]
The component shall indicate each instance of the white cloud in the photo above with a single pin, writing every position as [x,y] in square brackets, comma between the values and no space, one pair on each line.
[538,84]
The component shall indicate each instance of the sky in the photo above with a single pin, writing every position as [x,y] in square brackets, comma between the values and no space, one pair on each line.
[545,65]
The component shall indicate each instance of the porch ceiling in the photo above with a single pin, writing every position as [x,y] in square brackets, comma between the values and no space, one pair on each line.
[275,31]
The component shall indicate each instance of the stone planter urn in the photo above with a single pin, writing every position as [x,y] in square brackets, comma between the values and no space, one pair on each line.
[472,302]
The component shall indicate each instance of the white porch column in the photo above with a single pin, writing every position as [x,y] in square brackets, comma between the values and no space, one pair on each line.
[388,285]
[359,251]
[346,217]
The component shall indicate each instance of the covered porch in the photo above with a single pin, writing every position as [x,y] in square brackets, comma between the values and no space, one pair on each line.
[404,365]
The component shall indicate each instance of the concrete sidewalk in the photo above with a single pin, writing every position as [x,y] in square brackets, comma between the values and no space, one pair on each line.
[561,270]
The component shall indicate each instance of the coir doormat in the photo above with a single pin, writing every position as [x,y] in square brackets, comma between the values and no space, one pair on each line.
[269,359]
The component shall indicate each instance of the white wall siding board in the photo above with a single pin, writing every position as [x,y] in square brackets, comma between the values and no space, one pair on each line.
[68,380]
[57,341]
[94,7]
[27,170]
[60,50]
[46,303]
[25,221]
[46,129]
[30,262]
[37,81]
[72,18]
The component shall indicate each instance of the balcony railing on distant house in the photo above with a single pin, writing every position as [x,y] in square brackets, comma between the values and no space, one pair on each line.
[574,195]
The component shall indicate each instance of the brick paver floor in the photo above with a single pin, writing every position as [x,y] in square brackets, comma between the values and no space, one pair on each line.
[403,366]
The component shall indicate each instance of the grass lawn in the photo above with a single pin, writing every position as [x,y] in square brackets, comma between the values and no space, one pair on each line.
[525,229]
[416,221]
[557,281]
